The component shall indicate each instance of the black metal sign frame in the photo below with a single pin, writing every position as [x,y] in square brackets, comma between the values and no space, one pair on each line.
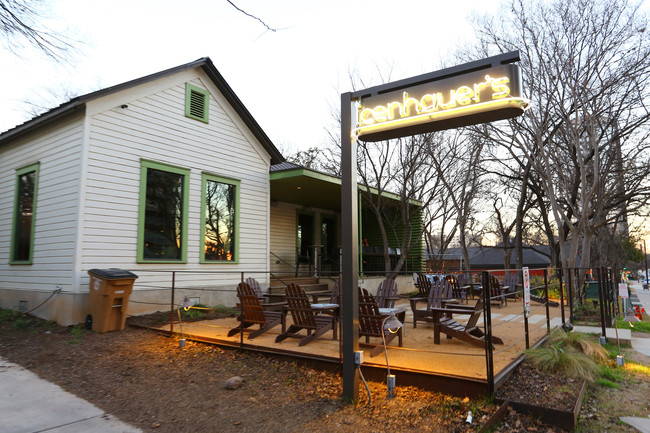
[468,85]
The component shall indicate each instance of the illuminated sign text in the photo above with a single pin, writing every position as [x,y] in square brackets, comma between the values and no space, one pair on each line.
[471,98]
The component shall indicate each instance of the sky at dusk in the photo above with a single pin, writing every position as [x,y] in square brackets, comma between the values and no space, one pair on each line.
[290,79]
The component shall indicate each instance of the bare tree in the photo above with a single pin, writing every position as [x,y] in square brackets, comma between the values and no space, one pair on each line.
[586,136]
[21,25]
[459,166]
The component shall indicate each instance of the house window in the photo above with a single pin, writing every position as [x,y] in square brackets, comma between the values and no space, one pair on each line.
[162,228]
[220,226]
[22,241]
[196,102]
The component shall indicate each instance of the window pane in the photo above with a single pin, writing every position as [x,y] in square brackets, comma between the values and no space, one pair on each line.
[24,217]
[219,221]
[163,219]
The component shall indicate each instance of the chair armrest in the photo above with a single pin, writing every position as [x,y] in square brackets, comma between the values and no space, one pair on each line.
[274,304]
[458,309]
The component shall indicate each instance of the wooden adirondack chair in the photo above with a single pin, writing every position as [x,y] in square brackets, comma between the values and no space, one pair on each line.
[456,290]
[254,313]
[468,332]
[264,297]
[497,292]
[466,284]
[423,285]
[332,307]
[370,322]
[387,293]
[439,292]
[304,317]
[510,283]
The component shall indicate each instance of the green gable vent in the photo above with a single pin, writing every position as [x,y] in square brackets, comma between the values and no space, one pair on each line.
[196,103]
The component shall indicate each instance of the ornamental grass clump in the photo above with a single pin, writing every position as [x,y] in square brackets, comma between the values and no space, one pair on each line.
[584,343]
[567,354]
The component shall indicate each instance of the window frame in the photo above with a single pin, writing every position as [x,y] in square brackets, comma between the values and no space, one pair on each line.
[189,88]
[145,165]
[205,177]
[35,167]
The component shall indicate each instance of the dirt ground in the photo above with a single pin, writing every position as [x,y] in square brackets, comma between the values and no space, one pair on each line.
[145,379]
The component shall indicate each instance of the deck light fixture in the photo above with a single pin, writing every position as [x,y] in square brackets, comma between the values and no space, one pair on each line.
[629,318]
[392,325]
[186,305]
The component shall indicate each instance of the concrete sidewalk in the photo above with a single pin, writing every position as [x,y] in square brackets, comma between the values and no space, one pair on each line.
[30,404]
[641,345]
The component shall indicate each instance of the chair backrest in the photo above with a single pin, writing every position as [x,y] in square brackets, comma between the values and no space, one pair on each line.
[369,317]
[299,307]
[250,304]
[455,286]
[511,280]
[255,285]
[336,293]
[495,287]
[439,291]
[423,285]
[387,289]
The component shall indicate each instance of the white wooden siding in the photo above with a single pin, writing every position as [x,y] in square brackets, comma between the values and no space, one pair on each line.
[154,127]
[58,151]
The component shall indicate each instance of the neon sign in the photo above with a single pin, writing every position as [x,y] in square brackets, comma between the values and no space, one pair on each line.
[476,97]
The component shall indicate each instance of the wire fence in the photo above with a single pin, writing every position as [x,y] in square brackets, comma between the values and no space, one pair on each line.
[530,302]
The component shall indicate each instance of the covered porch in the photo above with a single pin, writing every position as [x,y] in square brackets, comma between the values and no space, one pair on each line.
[305,221]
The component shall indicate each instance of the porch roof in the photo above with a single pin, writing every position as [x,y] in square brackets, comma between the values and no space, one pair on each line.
[292,183]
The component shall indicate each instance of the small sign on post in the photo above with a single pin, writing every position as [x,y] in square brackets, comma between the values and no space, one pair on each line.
[526,291]
[622,290]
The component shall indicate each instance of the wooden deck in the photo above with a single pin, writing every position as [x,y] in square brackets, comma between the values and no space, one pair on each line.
[452,359]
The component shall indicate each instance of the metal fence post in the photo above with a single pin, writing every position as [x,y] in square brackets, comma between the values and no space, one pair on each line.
[601,297]
[487,324]
[548,312]
[570,273]
[171,322]
[562,295]
[523,300]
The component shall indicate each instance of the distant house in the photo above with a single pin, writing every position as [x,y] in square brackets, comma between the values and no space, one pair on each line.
[484,258]
[166,172]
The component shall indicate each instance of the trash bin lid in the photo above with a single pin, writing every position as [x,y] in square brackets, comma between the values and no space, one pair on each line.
[112,273]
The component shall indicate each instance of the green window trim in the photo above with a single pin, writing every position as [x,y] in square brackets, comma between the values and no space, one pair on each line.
[205,178]
[197,102]
[15,231]
[145,166]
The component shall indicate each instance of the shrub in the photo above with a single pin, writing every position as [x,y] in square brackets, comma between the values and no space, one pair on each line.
[582,342]
[572,354]
[563,360]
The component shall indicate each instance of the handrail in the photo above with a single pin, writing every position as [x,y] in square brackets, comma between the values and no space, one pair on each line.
[281,260]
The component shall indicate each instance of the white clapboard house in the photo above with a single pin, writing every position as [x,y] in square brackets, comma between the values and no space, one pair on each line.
[118,178]
[168,172]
